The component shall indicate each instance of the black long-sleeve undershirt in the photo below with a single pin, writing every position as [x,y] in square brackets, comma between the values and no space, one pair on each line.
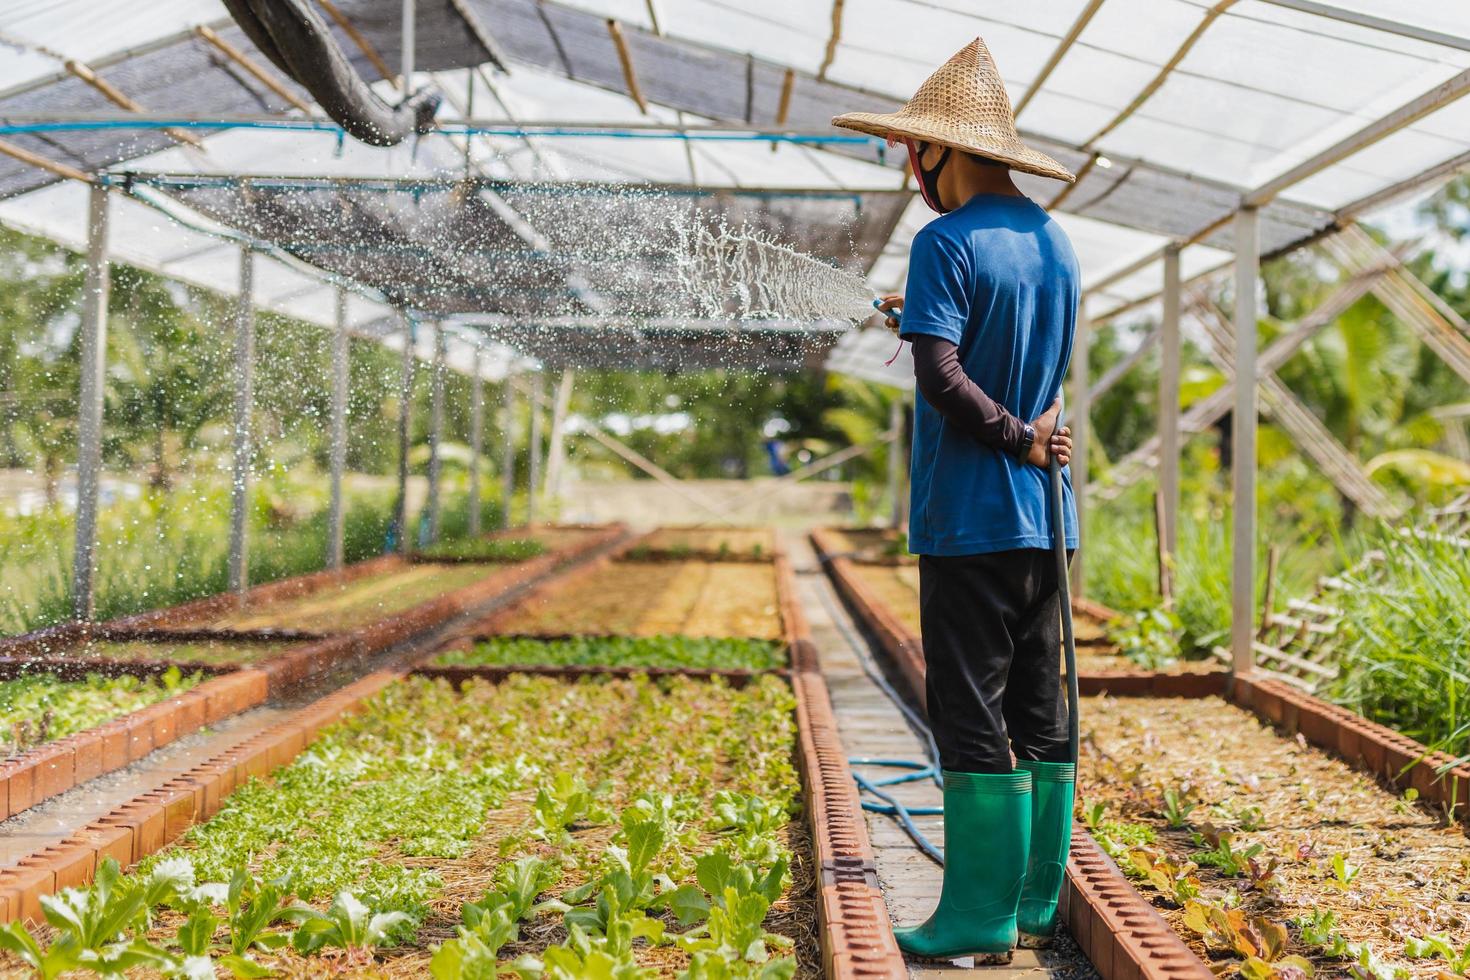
[942,381]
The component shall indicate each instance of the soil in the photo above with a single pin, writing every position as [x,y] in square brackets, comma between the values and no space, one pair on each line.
[732,542]
[356,603]
[897,588]
[871,544]
[1302,805]
[553,537]
[689,598]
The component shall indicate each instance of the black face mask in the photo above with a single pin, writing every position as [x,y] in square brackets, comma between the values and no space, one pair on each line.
[928,178]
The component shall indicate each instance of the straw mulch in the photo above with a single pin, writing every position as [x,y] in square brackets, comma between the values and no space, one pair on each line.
[1301,804]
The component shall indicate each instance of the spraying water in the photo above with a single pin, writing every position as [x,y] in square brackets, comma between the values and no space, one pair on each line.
[742,271]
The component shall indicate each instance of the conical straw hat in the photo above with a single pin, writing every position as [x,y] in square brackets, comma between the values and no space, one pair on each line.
[963,105]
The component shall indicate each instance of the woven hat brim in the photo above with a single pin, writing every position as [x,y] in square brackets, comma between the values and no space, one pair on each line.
[1017,155]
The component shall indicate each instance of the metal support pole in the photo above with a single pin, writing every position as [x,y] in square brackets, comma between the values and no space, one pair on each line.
[405,417]
[1078,415]
[477,441]
[556,445]
[533,476]
[1243,444]
[336,510]
[508,450]
[896,460]
[244,401]
[436,430]
[410,42]
[89,399]
[1169,407]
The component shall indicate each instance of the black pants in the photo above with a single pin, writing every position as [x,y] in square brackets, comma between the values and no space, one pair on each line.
[992,649]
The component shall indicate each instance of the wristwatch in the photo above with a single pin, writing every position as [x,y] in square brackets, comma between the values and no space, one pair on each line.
[1028,438]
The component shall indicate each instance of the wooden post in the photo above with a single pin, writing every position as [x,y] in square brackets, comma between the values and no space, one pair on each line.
[405,418]
[896,460]
[436,431]
[1078,415]
[337,507]
[1243,444]
[533,473]
[556,450]
[1169,405]
[477,439]
[1166,559]
[508,449]
[243,447]
[1272,556]
[89,403]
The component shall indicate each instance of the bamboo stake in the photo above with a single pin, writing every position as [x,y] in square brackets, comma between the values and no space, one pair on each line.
[625,58]
[44,163]
[363,44]
[1166,560]
[116,96]
[254,68]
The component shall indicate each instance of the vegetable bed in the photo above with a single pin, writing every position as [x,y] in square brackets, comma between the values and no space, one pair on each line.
[36,708]
[360,602]
[632,598]
[521,824]
[721,543]
[483,549]
[682,652]
[897,587]
[221,653]
[1269,857]
[870,544]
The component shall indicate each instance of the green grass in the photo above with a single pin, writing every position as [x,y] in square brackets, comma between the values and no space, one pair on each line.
[166,548]
[1407,658]
[485,549]
[1122,562]
[621,651]
[40,707]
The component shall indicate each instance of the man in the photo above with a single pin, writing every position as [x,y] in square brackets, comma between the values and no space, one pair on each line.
[991,305]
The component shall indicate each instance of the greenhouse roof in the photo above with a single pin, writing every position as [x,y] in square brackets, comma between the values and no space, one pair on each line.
[1174,113]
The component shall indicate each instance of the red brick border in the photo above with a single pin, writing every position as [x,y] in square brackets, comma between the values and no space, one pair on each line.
[1116,927]
[1365,745]
[320,653]
[147,823]
[57,766]
[857,935]
[54,767]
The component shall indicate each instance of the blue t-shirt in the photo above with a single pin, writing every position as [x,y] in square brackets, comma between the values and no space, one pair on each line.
[996,277]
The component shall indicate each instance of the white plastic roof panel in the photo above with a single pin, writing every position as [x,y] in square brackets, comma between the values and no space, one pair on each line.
[1263,88]
[142,237]
[88,30]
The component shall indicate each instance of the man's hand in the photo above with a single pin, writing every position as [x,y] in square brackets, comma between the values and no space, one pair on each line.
[1050,441]
[891,302]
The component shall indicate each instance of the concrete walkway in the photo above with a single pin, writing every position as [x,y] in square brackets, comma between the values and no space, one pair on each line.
[872,727]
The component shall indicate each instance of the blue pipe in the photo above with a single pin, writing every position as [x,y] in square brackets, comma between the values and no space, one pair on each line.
[311,125]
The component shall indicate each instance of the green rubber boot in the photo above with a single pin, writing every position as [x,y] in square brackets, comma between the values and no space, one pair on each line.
[987,826]
[1052,785]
